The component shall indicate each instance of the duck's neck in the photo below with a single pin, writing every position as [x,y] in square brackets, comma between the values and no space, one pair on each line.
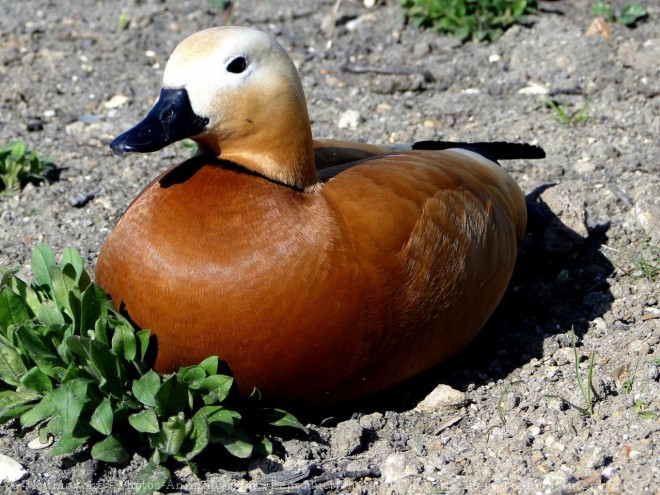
[280,150]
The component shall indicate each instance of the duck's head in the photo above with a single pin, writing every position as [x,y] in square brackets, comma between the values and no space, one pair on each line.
[235,92]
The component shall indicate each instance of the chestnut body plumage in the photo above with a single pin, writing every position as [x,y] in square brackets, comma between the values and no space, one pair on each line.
[318,270]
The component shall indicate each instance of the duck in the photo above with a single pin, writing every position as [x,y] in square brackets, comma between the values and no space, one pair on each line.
[319,271]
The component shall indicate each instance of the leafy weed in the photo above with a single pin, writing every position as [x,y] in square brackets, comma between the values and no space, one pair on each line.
[469,19]
[571,118]
[19,167]
[627,16]
[585,388]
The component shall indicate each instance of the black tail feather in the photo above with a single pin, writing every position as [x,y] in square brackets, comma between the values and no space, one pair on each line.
[498,150]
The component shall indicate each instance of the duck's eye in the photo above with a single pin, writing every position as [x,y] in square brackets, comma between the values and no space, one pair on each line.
[238,65]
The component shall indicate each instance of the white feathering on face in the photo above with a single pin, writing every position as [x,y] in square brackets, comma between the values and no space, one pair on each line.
[199,64]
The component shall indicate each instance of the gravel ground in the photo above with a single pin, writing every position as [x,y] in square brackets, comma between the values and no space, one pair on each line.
[71,80]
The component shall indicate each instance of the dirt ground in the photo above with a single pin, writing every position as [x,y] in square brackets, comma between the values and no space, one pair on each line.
[72,80]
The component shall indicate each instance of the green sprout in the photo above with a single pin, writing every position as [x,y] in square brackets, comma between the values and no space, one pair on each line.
[571,118]
[585,389]
[19,167]
[627,16]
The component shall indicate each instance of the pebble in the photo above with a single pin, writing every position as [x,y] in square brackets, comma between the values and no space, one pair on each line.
[35,443]
[350,119]
[638,348]
[398,466]
[347,438]
[558,480]
[568,206]
[11,470]
[442,398]
[646,211]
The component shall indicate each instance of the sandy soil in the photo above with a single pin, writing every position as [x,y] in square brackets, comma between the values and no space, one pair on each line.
[62,66]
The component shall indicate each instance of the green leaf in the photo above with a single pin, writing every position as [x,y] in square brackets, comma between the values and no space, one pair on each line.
[13,309]
[41,351]
[19,287]
[93,308]
[237,444]
[62,283]
[602,9]
[102,419]
[110,450]
[145,421]
[17,151]
[42,260]
[220,416]
[67,443]
[146,387]
[193,376]
[263,447]
[151,478]
[37,380]
[217,388]
[14,403]
[210,365]
[49,314]
[124,343]
[68,402]
[110,369]
[279,417]
[171,398]
[143,337]
[71,257]
[171,436]
[12,366]
[200,434]
[44,409]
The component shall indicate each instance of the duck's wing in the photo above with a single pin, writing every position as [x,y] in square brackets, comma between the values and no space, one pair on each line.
[330,153]
[496,150]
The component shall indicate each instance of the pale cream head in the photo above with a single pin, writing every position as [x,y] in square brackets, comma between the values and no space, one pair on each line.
[243,81]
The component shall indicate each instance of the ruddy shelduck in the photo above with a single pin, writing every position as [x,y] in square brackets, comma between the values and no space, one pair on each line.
[318,270]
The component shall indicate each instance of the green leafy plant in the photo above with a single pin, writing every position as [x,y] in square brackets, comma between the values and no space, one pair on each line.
[468,19]
[585,388]
[572,118]
[647,265]
[123,22]
[18,167]
[641,408]
[628,15]
[74,367]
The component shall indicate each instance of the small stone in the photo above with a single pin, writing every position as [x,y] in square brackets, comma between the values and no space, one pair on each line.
[116,101]
[35,443]
[558,480]
[442,398]
[347,438]
[563,356]
[595,459]
[349,119]
[374,421]
[533,89]
[646,211]
[608,472]
[568,206]
[614,485]
[638,348]
[11,470]
[535,431]
[398,466]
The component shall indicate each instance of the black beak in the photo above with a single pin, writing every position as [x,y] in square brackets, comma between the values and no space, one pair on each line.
[171,119]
